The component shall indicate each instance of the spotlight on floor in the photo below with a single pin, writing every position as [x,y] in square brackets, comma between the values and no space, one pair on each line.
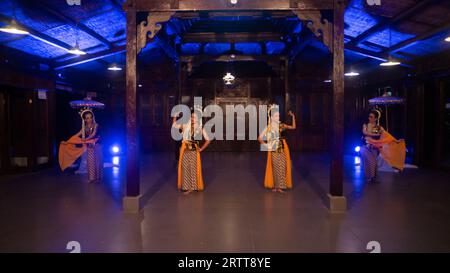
[357,161]
[115,161]
[357,149]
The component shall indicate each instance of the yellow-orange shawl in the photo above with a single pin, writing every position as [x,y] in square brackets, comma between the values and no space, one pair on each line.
[69,152]
[199,168]
[393,151]
[268,180]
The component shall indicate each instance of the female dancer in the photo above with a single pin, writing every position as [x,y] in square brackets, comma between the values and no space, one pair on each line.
[89,139]
[369,152]
[278,168]
[190,177]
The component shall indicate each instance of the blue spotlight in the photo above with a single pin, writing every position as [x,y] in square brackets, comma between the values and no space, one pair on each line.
[115,149]
[357,149]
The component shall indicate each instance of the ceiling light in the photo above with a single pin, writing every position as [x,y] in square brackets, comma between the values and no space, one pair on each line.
[229,78]
[114,68]
[14,29]
[447,39]
[352,74]
[390,63]
[327,81]
[76,51]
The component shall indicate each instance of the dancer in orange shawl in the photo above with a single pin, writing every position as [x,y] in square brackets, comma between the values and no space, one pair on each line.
[190,177]
[278,175]
[369,153]
[86,140]
[380,143]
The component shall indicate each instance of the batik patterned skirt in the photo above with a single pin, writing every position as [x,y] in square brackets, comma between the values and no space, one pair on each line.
[189,171]
[369,156]
[95,163]
[279,169]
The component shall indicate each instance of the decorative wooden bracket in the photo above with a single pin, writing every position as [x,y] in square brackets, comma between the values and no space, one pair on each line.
[320,27]
[151,27]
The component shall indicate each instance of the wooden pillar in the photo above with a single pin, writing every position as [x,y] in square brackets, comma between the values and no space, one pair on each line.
[337,200]
[440,117]
[287,98]
[131,200]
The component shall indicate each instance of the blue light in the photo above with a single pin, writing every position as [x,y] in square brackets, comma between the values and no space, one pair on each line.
[115,149]
[357,149]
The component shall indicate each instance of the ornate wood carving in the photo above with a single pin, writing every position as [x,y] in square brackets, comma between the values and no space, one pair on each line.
[322,28]
[151,27]
[197,5]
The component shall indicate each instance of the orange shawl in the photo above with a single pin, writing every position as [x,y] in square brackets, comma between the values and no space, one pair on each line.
[393,151]
[199,168]
[69,152]
[268,180]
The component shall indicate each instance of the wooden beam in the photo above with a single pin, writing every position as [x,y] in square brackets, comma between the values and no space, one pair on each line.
[287,95]
[389,22]
[337,140]
[220,5]
[367,53]
[56,14]
[199,59]
[67,57]
[7,53]
[211,37]
[382,57]
[132,151]
[38,35]
[165,46]
[90,57]
[421,37]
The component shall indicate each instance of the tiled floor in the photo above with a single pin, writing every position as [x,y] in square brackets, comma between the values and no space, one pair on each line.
[408,212]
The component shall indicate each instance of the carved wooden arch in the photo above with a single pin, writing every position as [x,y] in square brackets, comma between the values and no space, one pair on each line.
[321,28]
[150,27]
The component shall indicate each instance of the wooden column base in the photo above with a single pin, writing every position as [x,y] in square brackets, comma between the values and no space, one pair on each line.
[337,204]
[132,204]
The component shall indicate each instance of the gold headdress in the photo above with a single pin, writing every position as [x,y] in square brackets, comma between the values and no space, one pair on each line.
[83,111]
[379,116]
[272,107]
